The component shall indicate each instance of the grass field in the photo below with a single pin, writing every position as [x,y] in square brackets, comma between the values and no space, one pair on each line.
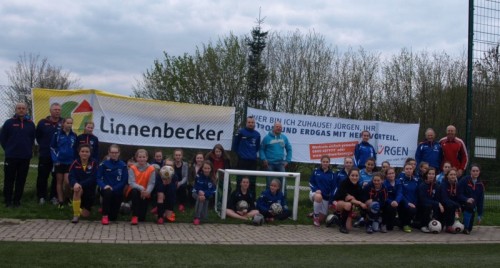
[32,254]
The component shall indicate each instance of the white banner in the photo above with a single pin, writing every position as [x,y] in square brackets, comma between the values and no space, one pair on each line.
[314,136]
[133,121]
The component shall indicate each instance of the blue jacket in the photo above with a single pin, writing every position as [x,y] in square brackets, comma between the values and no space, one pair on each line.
[113,173]
[468,189]
[428,194]
[86,178]
[364,176]
[273,148]
[394,192]
[363,151]
[246,144]
[267,198]
[205,184]
[341,175]
[62,147]
[430,152]
[326,182]
[409,190]
[449,194]
[45,130]
[17,137]
[90,139]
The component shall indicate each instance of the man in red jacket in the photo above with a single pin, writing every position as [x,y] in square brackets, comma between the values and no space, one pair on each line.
[454,150]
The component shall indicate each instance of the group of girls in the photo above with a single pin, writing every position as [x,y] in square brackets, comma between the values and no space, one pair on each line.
[139,181]
[410,200]
[64,149]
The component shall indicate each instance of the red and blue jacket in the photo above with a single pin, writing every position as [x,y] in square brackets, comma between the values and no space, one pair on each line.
[467,188]
[85,176]
[91,140]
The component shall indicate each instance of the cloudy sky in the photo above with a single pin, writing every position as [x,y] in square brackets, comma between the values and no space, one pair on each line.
[108,44]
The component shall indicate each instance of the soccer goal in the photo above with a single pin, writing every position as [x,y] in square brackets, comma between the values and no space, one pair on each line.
[225,175]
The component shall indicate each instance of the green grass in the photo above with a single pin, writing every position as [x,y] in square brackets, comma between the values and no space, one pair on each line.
[32,254]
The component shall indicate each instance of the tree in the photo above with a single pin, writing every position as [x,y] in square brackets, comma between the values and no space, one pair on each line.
[31,71]
[257,73]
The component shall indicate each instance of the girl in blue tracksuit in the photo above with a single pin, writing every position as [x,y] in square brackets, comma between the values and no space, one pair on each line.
[364,150]
[394,197]
[89,138]
[366,174]
[112,176]
[471,197]
[270,196]
[407,209]
[375,196]
[203,190]
[323,184]
[62,150]
[429,200]
[449,199]
[82,180]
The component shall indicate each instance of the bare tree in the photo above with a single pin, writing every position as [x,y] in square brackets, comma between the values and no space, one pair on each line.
[32,71]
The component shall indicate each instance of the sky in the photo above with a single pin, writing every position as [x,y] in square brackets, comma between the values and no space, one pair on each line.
[109,44]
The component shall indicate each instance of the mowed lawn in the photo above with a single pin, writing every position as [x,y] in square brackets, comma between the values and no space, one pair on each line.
[33,254]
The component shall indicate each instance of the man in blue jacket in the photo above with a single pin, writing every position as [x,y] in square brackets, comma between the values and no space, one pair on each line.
[17,139]
[429,150]
[275,152]
[246,144]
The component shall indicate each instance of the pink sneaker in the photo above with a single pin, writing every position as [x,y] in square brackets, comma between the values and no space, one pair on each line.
[316,221]
[105,220]
[159,221]
[182,208]
[196,221]
[134,220]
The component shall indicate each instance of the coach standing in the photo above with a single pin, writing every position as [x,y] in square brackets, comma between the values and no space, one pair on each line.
[454,150]
[429,150]
[17,139]
[45,130]
[275,152]
[246,144]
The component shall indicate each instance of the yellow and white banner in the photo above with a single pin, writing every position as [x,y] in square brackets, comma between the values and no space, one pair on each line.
[314,136]
[125,120]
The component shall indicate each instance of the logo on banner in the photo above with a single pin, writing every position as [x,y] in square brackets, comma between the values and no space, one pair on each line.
[81,112]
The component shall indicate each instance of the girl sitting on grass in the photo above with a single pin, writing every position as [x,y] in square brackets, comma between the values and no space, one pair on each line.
[141,180]
[268,198]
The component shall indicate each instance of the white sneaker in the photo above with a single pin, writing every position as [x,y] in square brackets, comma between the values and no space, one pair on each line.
[425,229]
[41,201]
[54,201]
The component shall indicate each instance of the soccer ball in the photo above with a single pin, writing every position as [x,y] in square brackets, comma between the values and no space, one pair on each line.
[258,220]
[434,226]
[276,208]
[125,208]
[166,173]
[458,226]
[242,206]
[331,220]
[375,207]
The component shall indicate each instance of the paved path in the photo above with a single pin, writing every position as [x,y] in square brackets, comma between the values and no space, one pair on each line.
[224,234]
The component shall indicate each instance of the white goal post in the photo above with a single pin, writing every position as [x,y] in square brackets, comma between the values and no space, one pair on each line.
[228,172]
